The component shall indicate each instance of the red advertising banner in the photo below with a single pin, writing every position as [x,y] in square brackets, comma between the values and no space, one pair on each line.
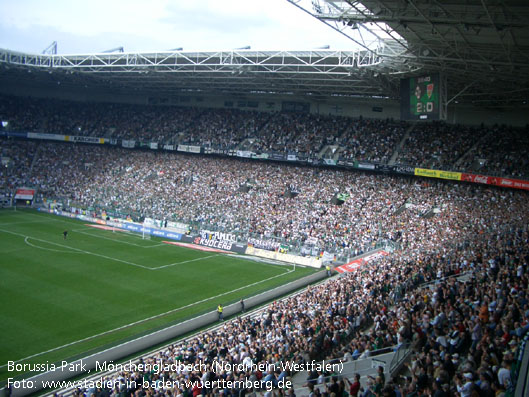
[507,182]
[496,181]
[475,178]
[351,266]
[357,263]
[24,194]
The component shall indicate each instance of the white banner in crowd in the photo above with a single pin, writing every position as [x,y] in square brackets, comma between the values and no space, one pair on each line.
[188,148]
[128,143]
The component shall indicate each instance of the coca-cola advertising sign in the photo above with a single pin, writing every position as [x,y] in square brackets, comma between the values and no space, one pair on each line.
[475,178]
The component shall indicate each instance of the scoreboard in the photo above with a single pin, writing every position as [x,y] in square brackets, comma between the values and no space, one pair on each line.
[420,97]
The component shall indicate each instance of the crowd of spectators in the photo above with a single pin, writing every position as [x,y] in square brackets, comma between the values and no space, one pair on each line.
[205,191]
[105,120]
[464,331]
[223,128]
[499,151]
[437,145]
[372,140]
[301,133]
[17,159]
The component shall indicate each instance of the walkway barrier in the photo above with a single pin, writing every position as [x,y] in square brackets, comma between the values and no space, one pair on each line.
[521,371]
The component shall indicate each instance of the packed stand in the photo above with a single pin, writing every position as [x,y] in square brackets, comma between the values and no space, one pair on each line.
[464,332]
[437,145]
[372,140]
[501,152]
[223,128]
[17,160]
[204,191]
[300,133]
[104,120]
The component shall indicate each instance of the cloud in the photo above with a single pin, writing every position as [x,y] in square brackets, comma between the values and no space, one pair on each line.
[138,25]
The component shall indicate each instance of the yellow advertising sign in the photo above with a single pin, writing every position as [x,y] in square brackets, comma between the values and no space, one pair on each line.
[455,176]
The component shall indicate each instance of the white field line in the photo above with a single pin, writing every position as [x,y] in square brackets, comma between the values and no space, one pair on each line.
[124,242]
[68,221]
[46,219]
[87,232]
[125,233]
[26,240]
[149,318]
[20,223]
[78,250]
[254,313]
[56,218]
[153,246]
[180,263]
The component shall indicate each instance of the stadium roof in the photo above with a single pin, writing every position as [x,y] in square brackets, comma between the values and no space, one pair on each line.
[321,73]
[480,46]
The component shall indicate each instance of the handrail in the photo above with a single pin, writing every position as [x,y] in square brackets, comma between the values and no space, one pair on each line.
[521,373]
[352,371]
[372,356]
[438,280]
[400,355]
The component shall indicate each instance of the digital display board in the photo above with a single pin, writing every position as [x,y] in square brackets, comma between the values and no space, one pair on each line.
[420,98]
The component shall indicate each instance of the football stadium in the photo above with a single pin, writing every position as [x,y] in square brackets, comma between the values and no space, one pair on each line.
[243,222]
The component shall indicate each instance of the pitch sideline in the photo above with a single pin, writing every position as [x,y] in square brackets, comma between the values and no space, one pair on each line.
[148,318]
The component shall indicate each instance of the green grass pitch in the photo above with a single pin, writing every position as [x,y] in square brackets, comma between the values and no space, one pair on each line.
[63,298]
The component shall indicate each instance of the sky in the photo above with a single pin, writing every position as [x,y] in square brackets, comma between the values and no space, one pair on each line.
[81,27]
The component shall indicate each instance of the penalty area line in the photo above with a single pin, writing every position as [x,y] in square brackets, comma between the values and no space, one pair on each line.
[87,233]
[181,263]
[148,318]
[77,250]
